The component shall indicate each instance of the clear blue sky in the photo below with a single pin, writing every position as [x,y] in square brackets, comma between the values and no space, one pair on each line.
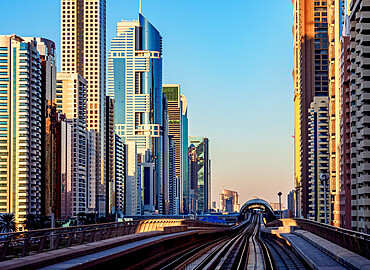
[234,61]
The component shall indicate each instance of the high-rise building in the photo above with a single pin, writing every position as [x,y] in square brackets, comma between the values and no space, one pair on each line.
[184,158]
[311,64]
[335,29]
[109,147]
[203,189]
[193,179]
[92,196]
[49,186]
[172,93]
[83,30]
[172,179]
[135,82]
[166,159]
[132,206]
[291,201]
[318,159]
[20,127]
[71,101]
[359,112]
[120,174]
[63,186]
[345,157]
[229,201]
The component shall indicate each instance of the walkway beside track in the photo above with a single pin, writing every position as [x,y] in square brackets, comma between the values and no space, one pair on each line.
[317,252]
[314,257]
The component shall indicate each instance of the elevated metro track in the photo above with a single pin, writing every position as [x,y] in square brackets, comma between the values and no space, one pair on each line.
[238,247]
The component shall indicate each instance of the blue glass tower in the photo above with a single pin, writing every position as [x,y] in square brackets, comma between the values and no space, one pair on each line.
[135,81]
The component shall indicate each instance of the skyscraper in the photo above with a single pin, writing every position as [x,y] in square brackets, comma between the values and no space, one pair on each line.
[229,201]
[318,156]
[184,157]
[199,149]
[172,93]
[109,147]
[47,53]
[135,82]
[71,101]
[120,171]
[345,156]
[20,127]
[83,29]
[310,74]
[335,30]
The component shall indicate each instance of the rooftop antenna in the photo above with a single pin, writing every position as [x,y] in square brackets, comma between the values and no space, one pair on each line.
[140,7]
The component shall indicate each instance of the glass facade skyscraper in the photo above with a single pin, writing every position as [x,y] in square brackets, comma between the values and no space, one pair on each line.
[135,82]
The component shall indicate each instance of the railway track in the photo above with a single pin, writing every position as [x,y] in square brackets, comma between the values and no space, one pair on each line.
[244,251]
[242,248]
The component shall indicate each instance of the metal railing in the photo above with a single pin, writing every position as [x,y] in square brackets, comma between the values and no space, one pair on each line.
[354,241]
[21,244]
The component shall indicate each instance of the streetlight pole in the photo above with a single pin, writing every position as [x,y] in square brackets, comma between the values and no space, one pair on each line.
[324,179]
[279,194]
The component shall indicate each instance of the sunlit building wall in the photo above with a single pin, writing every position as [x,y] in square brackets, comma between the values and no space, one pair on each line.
[335,30]
[83,40]
[229,201]
[318,160]
[135,82]
[20,127]
[297,101]
[310,32]
[71,101]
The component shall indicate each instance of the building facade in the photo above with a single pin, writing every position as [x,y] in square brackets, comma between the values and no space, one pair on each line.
[345,191]
[199,146]
[184,157]
[83,30]
[173,95]
[50,189]
[229,201]
[359,111]
[20,127]
[71,101]
[109,148]
[120,174]
[310,74]
[318,160]
[135,82]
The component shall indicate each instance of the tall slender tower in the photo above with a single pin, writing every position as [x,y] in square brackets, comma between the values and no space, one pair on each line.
[135,82]
[184,157]
[335,30]
[83,28]
[172,93]
[310,32]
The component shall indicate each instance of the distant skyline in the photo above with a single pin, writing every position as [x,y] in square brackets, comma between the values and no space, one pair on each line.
[234,65]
